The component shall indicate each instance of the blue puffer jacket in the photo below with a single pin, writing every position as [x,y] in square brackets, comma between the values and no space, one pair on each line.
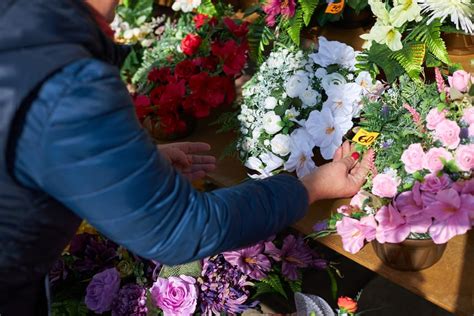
[75,149]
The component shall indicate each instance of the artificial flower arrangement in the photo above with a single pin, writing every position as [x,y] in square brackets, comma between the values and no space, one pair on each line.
[421,183]
[298,101]
[97,276]
[405,38]
[194,77]
[307,304]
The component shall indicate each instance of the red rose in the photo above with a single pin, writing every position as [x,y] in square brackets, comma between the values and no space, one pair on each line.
[236,29]
[185,69]
[200,20]
[190,44]
[233,56]
[208,63]
[197,107]
[171,97]
[142,106]
[347,304]
[155,94]
[159,75]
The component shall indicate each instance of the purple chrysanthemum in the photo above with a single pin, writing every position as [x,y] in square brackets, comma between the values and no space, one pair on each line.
[250,261]
[130,301]
[223,288]
[294,254]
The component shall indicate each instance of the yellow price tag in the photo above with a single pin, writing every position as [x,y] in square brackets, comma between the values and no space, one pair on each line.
[364,137]
[335,8]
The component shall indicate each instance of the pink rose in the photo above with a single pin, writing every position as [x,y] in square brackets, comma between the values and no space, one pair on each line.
[465,157]
[459,80]
[448,133]
[175,295]
[435,117]
[468,115]
[354,233]
[384,185]
[412,157]
[433,184]
[432,160]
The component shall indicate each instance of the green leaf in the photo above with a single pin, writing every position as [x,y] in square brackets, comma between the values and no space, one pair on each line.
[358,5]
[262,288]
[430,35]
[333,280]
[275,283]
[411,57]
[308,7]
[380,55]
[432,61]
[71,307]
[295,26]
[193,269]
[296,286]
[207,7]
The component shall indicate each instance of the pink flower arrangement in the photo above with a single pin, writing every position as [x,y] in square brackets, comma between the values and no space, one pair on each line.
[385,185]
[175,295]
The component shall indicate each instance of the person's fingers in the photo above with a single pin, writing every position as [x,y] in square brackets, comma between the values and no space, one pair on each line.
[192,176]
[202,159]
[193,147]
[338,154]
[348,161]
[360,175]
[178,158]
[346,148]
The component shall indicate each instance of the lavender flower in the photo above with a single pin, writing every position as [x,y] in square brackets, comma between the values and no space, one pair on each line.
[102,290]
[385,111]
[250,261]
[320,226]
[294,254]
[130,301]
[387,144]
[223,288]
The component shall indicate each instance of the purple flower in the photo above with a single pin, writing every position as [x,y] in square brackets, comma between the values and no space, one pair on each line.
[250,261]
[58,272]
[223,288]
[102,290]
[130,301]
[93,253]
[320,226]
[294,254]
[175,295]
[385,111]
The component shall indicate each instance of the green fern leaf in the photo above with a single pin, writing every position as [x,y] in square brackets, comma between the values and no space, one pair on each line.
[380,55]
[430,35]
[296,286]
[275,282]
[295,26]
[259,37]
[207,7]
[308,7]
[411,58]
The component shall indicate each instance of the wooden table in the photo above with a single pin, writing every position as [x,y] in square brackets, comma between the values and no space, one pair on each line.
[448,284]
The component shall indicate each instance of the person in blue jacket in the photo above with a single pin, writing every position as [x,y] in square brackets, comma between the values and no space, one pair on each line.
[72,148]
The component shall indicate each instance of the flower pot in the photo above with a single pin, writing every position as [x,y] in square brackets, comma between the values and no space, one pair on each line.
[460,49]
[153,127]
[409,255]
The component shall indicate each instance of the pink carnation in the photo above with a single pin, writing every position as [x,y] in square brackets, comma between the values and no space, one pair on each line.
[468,115]
[451,212]
[448,133]
[354,233]
[384,185]
[412,157]
[435,117]
[460,80]
[432,160]
[465,157]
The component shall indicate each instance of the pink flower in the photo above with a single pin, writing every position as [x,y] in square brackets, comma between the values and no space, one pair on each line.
[439,80]
[393,227]
[175,295]
[468,115]
[385,185]
[432,160]
[411,207]
[435,117]
[460,80]
[275,7]
[448,133]
[412,157]
[451,213]
[466,188]
[354,232]
[359,199]
[471,130]
[432,184]
[465,157]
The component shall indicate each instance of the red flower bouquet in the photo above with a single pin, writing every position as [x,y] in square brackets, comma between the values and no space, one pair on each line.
[189,83]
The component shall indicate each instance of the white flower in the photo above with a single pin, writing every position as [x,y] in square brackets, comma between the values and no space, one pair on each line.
[310,97]
[341,99]
[460,12]
[292,113]
[321,73]
[270,103]
[128,34]
[364,79]
[185,5]
[271,123]
[350,76]
[327,130]
[333,79]
[301,157]
[384,34]
[281,144]
[405,11]
[296,85]
[146,42]
[271,161]
[333,52]
[253,163]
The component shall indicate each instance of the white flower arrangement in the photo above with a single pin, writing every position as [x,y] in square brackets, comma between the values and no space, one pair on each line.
[145,34]
[185,5]
[298,101]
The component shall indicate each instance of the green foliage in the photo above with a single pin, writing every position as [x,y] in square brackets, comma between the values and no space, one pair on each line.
[430,35]
[207,7]
[358,5]
[296,286]
[70,307]
[334,285]
[378,56]
[295,25]
[271,284]
[308,7]
[135,12]
[193,269]
[411,57]
[259,37]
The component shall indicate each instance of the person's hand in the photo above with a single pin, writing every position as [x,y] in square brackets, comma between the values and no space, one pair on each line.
[186,157]
[343,177]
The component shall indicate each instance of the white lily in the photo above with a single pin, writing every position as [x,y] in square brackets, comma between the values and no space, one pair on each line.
[342,99]
[405,11]
[301,157]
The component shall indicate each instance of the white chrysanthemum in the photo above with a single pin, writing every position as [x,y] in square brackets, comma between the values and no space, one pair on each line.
[327,130]
[270,103]
[185,5]
[460,12]
[301,157]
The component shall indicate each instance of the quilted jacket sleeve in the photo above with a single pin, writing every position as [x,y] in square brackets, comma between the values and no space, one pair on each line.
[83,145]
